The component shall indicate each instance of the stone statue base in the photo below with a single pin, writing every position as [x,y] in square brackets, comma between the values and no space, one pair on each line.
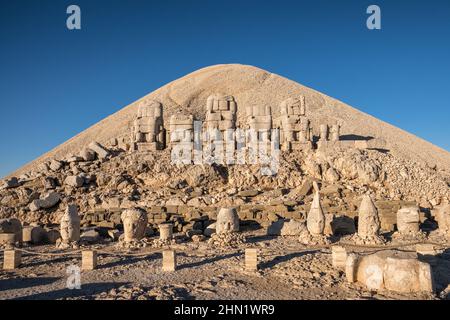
[368,240]
[231,239]
[315,240]
[67,245]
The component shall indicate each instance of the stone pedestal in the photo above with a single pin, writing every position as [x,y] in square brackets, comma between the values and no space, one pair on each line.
[88,260]
[8,239]
[169,263]
[166,231]
[339,257]
[11,259]
[251,259]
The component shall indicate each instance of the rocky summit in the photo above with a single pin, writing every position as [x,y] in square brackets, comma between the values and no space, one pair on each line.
[232,157]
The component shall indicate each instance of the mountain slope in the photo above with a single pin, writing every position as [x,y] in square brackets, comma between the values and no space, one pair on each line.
[253,86]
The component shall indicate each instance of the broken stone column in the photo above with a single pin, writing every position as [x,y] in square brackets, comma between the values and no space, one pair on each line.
[251,259]
[165,231]
[11,259]
[148,127]
[88,260]
[323,132]
[408,220]
[227,221]
[169,263]
[443,219]
[335,132]
[70,227]
[368,223]
[134,224]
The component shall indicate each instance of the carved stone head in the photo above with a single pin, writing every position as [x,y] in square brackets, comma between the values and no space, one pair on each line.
[70,225]
[227,221]
[134,224]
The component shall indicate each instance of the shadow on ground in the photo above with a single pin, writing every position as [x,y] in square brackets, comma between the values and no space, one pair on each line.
[128,260]
[86,292]
[206,261]
[280,259]
[21,283]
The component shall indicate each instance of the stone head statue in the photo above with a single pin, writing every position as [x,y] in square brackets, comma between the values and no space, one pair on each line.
[70,225]
[134,224]
[315,221]
[149,108]
[227,221]
[368,220]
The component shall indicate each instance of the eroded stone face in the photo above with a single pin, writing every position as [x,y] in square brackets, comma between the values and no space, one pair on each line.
[134,224]
[368,220]
[390,270]
[220,112]
[70,225]
[227,221]
[315,221]
[408,220]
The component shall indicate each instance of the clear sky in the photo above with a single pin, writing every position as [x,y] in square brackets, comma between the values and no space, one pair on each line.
[54,83]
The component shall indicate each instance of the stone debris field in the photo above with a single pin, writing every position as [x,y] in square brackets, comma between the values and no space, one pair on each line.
[230,183]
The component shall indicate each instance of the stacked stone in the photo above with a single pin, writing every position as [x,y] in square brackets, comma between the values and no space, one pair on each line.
[148,127]
[219,126]
[259,120]
[295,127]
[181,131]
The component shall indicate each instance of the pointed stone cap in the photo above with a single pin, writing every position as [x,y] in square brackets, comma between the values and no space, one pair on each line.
[368,221]
[315,221]
[71,213]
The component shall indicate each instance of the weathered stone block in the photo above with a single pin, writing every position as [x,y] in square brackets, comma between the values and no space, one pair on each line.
[251,259]
[169,262]
[88,260]
[339,257]
[11,259]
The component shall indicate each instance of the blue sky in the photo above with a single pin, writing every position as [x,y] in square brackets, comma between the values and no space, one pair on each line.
[54,83]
